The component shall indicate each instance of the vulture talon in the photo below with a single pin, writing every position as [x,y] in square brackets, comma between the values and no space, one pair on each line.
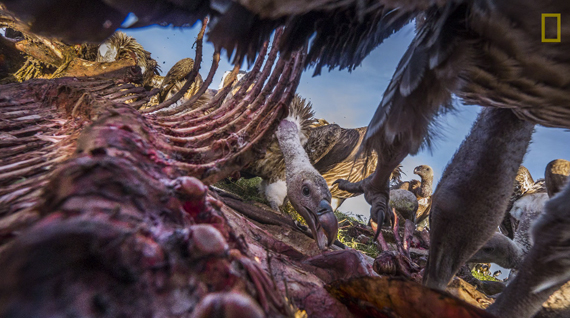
[377,197]
[378,208]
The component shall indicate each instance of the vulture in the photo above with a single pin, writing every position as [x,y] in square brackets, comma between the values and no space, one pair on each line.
[522,184]
[331,149]
[271,167]
[510,253]
[176,78]
[501,54]
[421,189]
[286,171]
[556,175]
[174,81]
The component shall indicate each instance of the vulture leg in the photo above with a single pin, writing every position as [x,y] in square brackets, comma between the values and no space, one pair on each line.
[547,265]
[474,191]
[376,187]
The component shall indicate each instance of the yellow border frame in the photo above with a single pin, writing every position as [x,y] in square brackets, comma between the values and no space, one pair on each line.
[551,15]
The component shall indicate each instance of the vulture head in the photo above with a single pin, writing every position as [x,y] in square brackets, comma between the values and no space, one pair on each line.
[424,171]
[309,195]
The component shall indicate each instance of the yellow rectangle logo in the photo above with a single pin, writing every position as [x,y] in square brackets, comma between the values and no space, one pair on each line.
[551,15]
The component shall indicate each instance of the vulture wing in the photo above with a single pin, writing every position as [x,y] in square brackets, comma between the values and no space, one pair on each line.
[176,74]
[343,32]
[419,88]
[330,144]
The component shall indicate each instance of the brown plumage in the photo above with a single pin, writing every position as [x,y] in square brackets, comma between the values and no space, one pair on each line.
[121,46]
[523,183]
[423,188]
[87,51]
[176,78]
[556,175]
[333,150]
[320,122]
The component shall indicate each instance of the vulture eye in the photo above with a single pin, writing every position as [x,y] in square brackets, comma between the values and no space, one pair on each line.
[306,191]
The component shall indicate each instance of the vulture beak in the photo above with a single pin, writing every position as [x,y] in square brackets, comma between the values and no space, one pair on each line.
[323,224]
[416,170]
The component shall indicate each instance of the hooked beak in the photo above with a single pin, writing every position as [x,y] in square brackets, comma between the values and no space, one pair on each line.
[323,224]
[416,170]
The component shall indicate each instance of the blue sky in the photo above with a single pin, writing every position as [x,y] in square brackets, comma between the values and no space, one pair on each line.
[350,99]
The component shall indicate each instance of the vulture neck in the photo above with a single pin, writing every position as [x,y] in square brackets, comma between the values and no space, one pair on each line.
[425,189]
[510,253]
[288,135]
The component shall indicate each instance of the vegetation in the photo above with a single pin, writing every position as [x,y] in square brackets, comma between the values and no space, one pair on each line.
[247,189]
[347,221]
[482,276]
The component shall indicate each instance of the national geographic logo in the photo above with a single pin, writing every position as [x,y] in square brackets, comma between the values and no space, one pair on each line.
[543,24]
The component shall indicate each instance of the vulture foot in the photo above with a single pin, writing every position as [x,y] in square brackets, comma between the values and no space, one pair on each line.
[376,196]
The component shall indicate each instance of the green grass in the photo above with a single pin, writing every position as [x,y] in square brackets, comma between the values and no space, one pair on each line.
[290,210]
[346,220]
[481,276]
[247,189]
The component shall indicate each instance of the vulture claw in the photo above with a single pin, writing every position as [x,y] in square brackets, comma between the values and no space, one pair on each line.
[378,211]
[377,197]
